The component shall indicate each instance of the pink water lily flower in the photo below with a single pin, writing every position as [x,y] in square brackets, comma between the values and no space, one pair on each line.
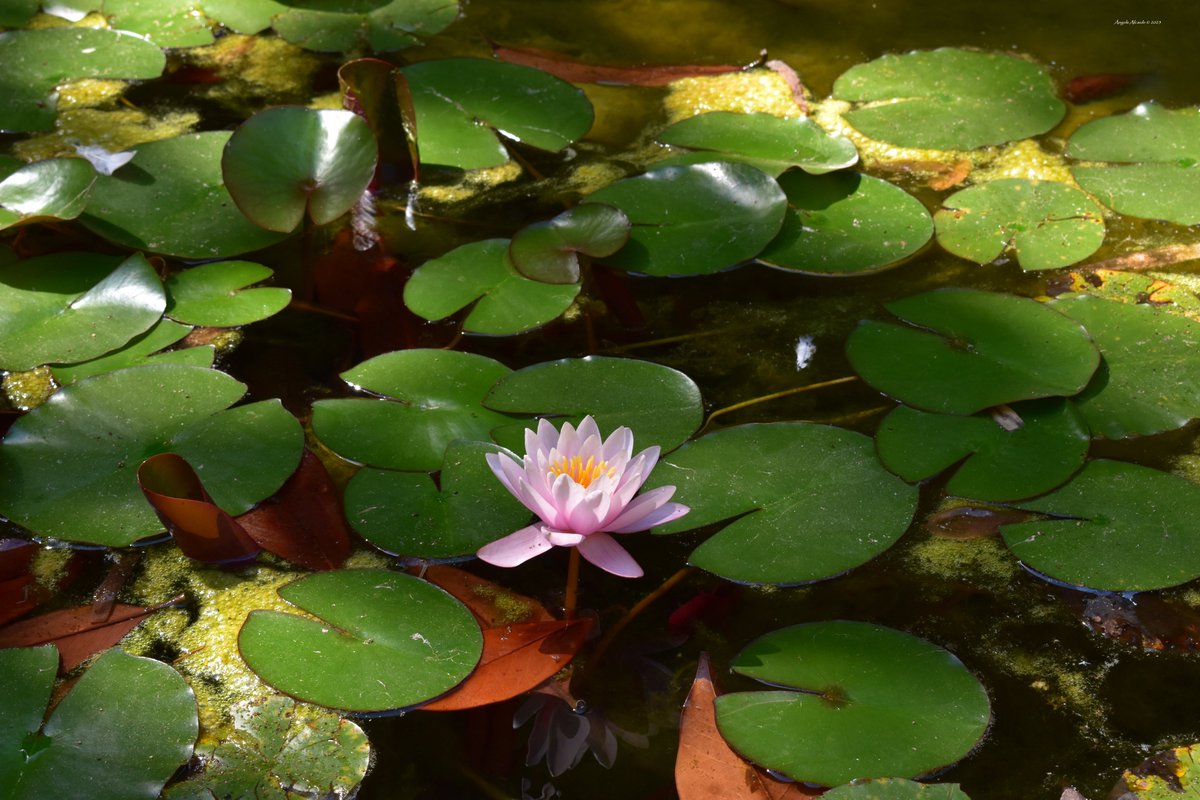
[582,488]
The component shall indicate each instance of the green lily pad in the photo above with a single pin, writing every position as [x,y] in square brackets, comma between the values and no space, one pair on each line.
[57,188]
[384,640]
[661,405]
[695,219]
[1116,527]
[243,16]
[404,513]
[855,701]
[462,103]
[965,350]
[1154,155]
[950,99]
[215,295]
[277,750]
[765,141]
[167,23]
[144,349]
[1149,378]
[380,27]
[429,399]
[16,13]
[120,733]
[1000,464]
[789,525]
[481,273]
[896,789]
[71,307]
[1046,224]
[845,224]
[172,199]
[287,160]
[68,468]
[549,251]
[36,62]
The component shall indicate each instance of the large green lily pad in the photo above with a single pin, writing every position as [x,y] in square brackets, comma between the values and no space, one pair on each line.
[846,223]
[377,26]
[1149,378]
[167,23]
[381,640]
[463,103]
[695,219]
[429,399]
[1154,162]
[765,141]
[144,349]
[965,350]
[997,463]
[1116,527]
[172,199]
[1047,225]
[949,99]
[68,468]
[71,307]
[216,295]
[56,188]
[120,733]
[661,405]
[786,525]
[855,701]
[405,513]
[481,273]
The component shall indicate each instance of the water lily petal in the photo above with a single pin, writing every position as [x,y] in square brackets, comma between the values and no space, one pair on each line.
[603,551]
[629,519]
[536,502]
[584,511]
[661,516]
[544,440]
[507,469]
[618,448]
[564,538]
[516,548]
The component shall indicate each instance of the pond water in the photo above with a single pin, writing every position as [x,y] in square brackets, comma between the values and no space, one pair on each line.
[1070,707]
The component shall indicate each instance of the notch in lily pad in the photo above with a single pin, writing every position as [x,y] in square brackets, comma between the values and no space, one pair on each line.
[773,144]
[549,252]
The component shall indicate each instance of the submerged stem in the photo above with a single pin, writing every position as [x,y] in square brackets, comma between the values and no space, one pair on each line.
[572,595]
[775,396]
[634,612]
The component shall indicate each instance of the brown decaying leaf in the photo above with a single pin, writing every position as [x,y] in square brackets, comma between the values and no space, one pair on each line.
[1148,259]
[20,592]
[972,522]
[1149,622]
[706,768]
[573,71]
[957,174]
[793,81]
[1086,88]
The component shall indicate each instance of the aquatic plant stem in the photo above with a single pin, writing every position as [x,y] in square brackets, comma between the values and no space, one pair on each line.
[572,594]
[774,396]
[634,612]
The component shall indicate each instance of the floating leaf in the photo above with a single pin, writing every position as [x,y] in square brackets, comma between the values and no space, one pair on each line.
[855,701]
[67,468]
[966,350]
[120,734]
[377,26]
[57,188]
[463,103]
[144,349]
[950,99]
[896,789]
[1046,224]
[36,62]
[548,251]
[405,513]
[846,223]
[383,641]
[215,295]
[432,398]
[1170,775]
[996,463]
[1153,154]
[16,13]
[79,633]
[505,302]
[287,160]
[172,199]
[1116,527]
[1149,379]
[765,141]
[167,23]
[661,406]
[70,307]
[695,219]
[790,525]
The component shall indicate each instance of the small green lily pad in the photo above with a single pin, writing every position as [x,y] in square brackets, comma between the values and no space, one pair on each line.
[965,350]
[846,223]
[1154,162]
[770,143]
[997,463]
[1046,224]
[549,251]
[56,188]
[405,513]
[895,789]
[786,525]
[144,349]
[376,26]
[855,701]
[1115,527]
[215,295]
[950,99]
[429,398]
[481,273]
[382,640]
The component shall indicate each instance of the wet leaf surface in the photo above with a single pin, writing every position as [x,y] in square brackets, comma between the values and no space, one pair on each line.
[768,142]
[57,188]
[341,27]
[147,348]
[216,295]
[1169,775]
[549,251]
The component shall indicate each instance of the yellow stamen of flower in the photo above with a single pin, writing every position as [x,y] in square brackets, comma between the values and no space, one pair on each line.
[581,473]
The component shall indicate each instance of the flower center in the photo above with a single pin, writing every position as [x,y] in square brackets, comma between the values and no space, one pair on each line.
[575,469]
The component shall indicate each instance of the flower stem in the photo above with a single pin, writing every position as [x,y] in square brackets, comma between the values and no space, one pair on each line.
[572,594]
[633,613]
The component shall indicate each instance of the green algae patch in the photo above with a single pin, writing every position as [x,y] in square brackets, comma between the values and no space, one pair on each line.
[975,560]
[114,130]
[254,70]
[27,389]
[747,92]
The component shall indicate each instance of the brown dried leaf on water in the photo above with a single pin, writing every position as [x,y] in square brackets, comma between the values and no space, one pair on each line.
[1097,86]
[972,522]
[20,591]
[1147,621]
[783,70]
[573,71]
[75,631]
[957,173]
[706,768]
